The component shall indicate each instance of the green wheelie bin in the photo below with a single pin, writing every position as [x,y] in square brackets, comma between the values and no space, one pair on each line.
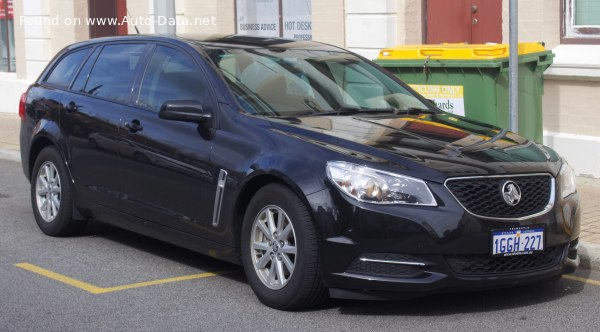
[472,80]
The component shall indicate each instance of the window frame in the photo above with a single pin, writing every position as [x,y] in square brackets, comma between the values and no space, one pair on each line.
[572,34]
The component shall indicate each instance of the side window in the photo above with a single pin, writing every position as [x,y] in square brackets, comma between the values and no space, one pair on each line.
[66,69]
[113,73]
[84,73]
[171,75]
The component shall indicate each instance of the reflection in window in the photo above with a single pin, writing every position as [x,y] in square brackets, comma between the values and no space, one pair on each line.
[171,75]
[63,73]
[291,82]
[113,73]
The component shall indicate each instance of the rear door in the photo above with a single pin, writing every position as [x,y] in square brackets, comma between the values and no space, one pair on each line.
[167,176]
[93,110]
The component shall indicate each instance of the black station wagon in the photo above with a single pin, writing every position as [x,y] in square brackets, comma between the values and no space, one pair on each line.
[319,172]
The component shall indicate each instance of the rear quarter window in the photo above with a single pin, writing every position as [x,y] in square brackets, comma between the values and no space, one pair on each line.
[114,71]
[63,73]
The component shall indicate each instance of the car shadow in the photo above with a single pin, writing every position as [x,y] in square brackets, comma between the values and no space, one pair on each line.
[466,302]
[164,250]
[429,305]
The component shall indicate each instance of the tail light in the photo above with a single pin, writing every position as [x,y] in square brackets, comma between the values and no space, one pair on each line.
[22,105]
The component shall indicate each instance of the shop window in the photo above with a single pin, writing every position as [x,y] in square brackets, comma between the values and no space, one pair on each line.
[581,22]
[7,36]
[274,18]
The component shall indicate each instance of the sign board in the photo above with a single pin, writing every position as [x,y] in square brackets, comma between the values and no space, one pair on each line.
[449,98]
[9,6]
[274,18]
[257,18]
[297,19]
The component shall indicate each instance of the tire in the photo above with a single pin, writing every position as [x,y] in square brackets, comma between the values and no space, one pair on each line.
[51,195]
[295,288]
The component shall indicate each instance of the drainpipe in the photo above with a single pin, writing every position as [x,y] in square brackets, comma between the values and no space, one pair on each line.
[164,11]
[513,67]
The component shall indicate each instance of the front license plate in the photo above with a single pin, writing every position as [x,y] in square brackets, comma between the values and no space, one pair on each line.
[517,241]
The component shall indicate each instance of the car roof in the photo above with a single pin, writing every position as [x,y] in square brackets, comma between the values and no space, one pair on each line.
[218,41]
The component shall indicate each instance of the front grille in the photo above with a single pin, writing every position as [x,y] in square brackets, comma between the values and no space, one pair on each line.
[482,196]
[484,265]
[379,269]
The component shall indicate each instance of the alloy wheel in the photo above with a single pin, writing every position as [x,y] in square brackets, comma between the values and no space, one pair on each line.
[273,247]
[48,191]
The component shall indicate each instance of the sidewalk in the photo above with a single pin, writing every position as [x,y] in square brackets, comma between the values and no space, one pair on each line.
[589,191]
[10,126]
[9,131]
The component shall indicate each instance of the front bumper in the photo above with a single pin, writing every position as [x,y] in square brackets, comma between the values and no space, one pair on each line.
[372,251]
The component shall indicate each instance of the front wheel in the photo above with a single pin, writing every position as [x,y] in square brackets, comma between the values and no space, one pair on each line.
[279,250]
[51,195]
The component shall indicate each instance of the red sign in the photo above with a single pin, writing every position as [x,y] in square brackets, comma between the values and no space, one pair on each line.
[4,5]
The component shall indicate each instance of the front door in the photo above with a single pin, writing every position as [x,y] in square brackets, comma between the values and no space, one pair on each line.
[464,21]
[166,173]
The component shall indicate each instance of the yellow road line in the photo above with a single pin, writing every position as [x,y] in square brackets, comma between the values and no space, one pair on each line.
[580,279]
[101,290]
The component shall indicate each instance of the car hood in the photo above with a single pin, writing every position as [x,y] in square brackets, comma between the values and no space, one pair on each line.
[447,145]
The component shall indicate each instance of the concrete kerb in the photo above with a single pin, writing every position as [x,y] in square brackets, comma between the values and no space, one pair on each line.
[589,253]
[10,155]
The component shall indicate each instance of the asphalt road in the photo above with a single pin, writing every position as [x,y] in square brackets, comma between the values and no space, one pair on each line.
[106,257]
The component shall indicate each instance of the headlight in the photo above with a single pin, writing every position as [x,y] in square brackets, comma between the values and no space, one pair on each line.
[567,180]
[370,185]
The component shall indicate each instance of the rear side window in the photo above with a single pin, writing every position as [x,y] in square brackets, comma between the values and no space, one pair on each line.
[66,69]
[84,73]
[171,75]
[114,71]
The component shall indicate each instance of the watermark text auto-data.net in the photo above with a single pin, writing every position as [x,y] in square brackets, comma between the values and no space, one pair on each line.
[115,21]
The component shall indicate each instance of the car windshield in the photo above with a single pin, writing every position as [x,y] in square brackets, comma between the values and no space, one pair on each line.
[295,82]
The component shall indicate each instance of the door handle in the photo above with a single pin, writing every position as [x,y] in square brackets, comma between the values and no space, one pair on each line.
[134,126]
[71,107]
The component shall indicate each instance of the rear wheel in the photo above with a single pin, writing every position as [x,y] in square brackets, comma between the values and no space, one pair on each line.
[51,195]
[279,250]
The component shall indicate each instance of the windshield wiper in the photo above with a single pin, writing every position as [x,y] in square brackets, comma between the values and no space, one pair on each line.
[347,110]
[356,110]
[415,111]
[352,111]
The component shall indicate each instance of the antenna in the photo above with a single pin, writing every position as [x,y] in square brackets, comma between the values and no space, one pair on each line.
[135,25]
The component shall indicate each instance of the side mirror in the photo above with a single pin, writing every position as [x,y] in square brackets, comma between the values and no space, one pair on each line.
[183,110]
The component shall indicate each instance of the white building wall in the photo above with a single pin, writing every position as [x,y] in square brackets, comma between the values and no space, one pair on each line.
[571,117]
[370,26]
[37,37]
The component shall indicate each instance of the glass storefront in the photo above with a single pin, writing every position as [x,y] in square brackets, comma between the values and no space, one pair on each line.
[7,36]
[274,18]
